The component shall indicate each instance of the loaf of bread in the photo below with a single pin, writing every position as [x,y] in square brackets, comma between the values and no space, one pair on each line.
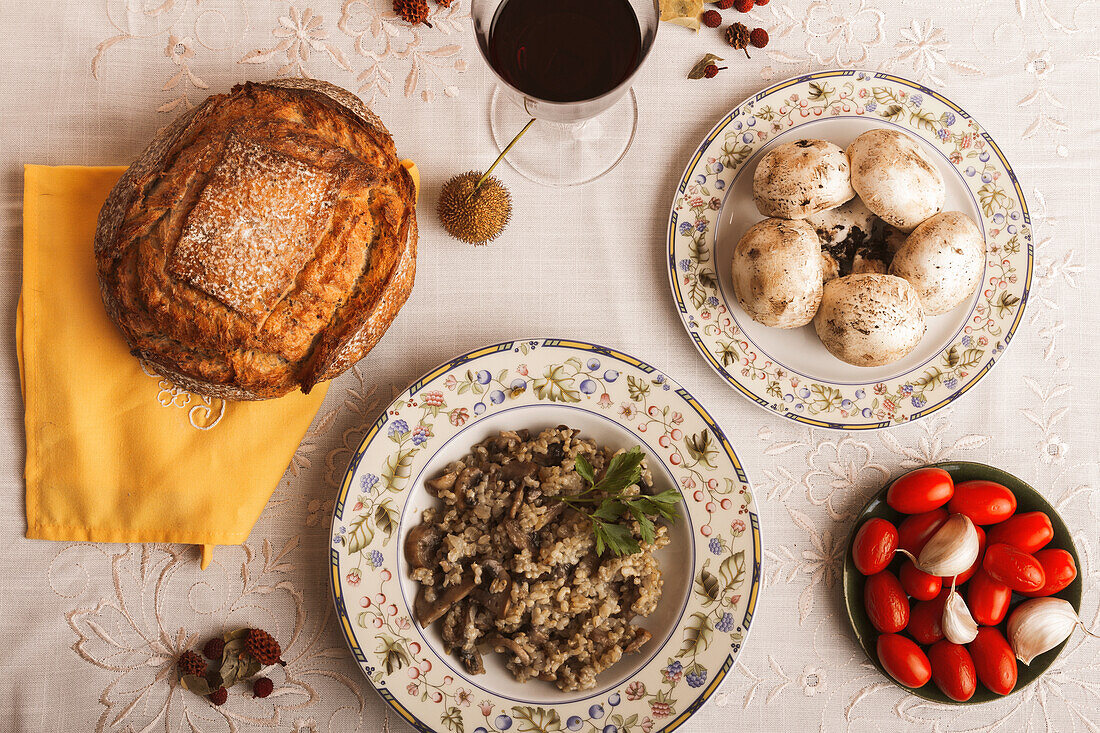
[262,243]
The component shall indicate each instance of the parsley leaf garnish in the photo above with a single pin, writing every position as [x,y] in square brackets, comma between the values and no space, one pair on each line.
[613,510]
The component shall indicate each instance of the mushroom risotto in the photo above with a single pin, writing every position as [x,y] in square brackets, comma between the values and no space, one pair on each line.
[512,560]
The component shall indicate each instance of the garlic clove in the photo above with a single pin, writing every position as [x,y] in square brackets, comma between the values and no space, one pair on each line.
[957,623]
[952,549]
[1038,625]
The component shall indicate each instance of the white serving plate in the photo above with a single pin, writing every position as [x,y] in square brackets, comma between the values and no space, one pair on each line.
[711,568]
[789,371]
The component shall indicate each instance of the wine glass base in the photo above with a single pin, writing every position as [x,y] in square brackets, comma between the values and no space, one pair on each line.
[564,154]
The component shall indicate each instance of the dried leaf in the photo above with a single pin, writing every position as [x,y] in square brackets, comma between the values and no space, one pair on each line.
[234,660]
[251,670]
[195,684]
[214,679]
[682,12]
[699,70]
[235,634]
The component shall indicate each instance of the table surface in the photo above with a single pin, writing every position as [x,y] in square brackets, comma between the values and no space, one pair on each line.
[89,631]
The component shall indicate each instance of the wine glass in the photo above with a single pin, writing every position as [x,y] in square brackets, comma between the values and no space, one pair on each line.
[569,65]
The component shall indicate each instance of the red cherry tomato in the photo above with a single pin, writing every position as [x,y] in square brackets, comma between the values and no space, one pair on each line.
[874,546]
[994,660]
[987,599]
[920,491]
[925,620]
[953,670]
[1059,568]
[1030,532]
[1015,568]
[903,660]
[985,502]
[977,563]
[915,530]
[886,603]
[919,584]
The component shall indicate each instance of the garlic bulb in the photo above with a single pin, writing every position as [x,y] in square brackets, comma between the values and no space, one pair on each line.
[1039,625]
[958,625]
[952,550]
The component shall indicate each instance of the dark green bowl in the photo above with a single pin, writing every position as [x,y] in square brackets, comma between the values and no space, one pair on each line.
[1027,500]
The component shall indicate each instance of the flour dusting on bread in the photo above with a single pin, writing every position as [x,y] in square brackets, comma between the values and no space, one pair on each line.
[254,227]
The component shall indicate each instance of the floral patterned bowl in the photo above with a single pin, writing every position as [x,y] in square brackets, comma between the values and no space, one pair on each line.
[704,614]
[789,371]
[1027,500]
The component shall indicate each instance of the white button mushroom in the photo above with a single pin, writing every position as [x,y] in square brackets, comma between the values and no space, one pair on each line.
[777,273]
[804,177]
[896,178]
[869,319]
[943,260]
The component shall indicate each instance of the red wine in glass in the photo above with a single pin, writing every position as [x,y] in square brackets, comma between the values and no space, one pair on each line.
[565,50]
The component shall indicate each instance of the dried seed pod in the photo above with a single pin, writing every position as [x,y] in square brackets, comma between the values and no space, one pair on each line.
[471,213]
[412,11]
[737,35]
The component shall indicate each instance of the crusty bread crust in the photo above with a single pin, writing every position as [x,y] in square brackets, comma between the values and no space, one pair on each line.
[234,311]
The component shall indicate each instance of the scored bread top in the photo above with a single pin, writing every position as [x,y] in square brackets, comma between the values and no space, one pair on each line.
[261,243]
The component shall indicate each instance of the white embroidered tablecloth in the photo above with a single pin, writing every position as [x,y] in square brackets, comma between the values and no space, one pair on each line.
[88,633]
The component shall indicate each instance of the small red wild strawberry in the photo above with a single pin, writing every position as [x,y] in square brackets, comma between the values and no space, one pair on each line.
[262,687]
[214,648]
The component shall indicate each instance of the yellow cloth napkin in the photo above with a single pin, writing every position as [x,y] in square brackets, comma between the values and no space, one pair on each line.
[116,453]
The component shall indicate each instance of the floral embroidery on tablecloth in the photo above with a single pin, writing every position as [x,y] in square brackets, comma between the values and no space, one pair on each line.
[380,35]
[135,637]
[842,32]
[299,34]
[373,44]
[181,51]
[821,673]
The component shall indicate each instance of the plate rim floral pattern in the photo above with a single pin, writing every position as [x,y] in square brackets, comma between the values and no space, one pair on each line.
[850,405]
[705,626]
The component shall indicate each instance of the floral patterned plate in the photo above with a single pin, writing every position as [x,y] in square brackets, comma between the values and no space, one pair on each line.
[704,614]
[790,371]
